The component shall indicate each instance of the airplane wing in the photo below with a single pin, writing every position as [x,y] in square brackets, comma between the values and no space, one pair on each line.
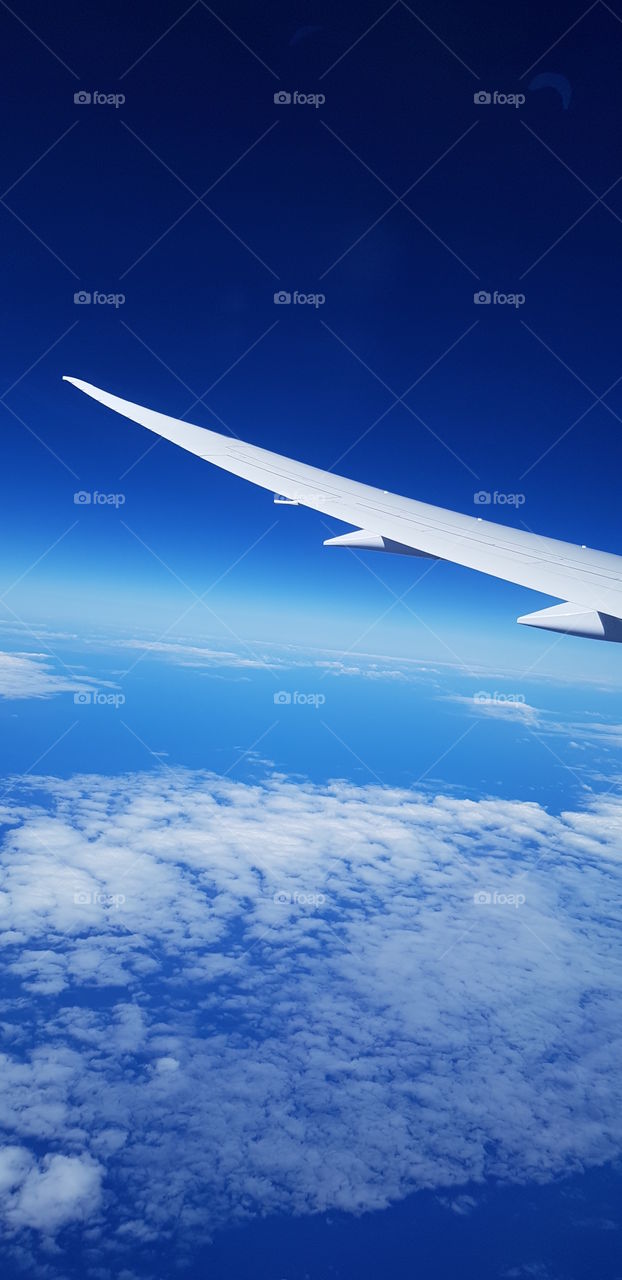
[589,583]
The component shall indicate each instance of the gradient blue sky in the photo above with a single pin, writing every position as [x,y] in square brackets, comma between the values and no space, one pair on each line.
[496,387]
[311,923]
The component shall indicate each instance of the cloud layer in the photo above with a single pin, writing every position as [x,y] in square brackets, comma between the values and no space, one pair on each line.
[233,999]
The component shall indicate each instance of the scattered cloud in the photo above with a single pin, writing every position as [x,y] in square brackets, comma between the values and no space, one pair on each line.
[36,675]
[285,998]
[496,705]
[462,1205]
[258,655]
[529,1271]
[50,1193]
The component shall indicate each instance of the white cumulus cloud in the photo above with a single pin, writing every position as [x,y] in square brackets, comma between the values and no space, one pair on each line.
[287,998]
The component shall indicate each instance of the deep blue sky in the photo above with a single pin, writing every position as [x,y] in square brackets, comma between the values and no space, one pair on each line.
[399,99]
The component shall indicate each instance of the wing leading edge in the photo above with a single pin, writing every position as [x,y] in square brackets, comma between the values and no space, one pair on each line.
[591,580]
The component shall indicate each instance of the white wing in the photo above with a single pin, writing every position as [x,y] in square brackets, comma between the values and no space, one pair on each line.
[591,580]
